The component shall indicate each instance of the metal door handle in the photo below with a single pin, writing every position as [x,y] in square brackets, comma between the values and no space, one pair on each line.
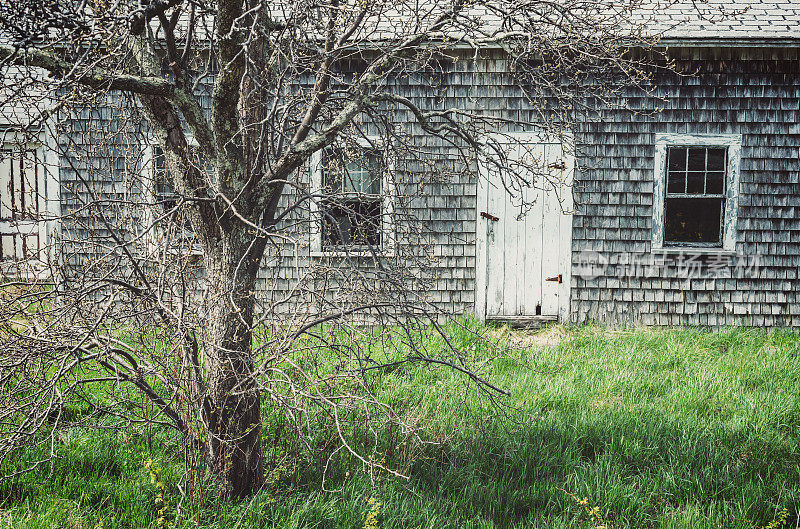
[557,278]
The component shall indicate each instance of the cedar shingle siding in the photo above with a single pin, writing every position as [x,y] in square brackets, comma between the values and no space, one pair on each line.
[752,92]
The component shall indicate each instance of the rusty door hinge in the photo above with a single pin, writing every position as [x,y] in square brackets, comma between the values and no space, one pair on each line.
[489,216]
[557,278]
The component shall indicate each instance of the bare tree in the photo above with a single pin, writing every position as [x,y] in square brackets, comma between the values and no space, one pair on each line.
[160,292]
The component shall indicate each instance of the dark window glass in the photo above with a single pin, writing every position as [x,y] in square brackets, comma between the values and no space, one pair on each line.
[695,182]
[351,223]
[677,159]
[716,160]
[714,182]
[696,161]
[164,191]
[693,220]
[351,210]
[676,171]
[695,201]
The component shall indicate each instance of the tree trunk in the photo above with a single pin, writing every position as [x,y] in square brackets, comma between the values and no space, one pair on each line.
[234,411]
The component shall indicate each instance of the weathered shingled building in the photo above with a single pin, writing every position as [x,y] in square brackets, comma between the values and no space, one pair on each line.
[684,211]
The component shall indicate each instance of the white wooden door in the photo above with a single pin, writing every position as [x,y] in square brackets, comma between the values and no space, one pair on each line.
[524,236]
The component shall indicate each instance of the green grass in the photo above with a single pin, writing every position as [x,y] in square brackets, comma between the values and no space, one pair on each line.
[663,429]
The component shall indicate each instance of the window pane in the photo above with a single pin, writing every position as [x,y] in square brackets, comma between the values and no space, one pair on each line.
[351,223]
[694,182]
[353,217]
[677,159]
[693,220]
[714,183]
[176,225]
[374,177]
[349,173]
[676,183]
[162,181]
[697,160]
[716,160]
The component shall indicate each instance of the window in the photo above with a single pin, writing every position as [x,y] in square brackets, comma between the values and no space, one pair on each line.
[22,190]
[172,226]
[352,206]
[163,192]
[696,183]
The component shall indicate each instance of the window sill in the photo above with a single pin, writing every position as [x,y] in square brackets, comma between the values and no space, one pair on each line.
[692,250]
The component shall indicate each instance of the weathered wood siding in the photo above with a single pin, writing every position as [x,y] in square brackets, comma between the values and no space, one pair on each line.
[752,92]
[443,211]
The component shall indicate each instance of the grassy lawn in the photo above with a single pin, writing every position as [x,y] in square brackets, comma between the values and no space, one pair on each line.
[665,429]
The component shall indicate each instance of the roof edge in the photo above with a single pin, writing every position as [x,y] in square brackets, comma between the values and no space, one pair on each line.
[729,42]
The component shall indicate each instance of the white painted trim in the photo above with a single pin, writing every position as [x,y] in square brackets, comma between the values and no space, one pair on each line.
[565,244]
[53,190]
[388,196]
[48,196]
[734,144]
[481,229]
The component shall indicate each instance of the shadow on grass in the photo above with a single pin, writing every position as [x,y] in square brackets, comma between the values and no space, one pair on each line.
[642,472]
[645,471]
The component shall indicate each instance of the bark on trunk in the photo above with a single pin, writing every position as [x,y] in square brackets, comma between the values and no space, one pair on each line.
[234,415]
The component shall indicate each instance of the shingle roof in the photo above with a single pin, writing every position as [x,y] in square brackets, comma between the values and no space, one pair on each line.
[727,20]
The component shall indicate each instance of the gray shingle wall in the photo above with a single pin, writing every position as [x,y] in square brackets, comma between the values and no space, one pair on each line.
[755,93]
[439,220]
[99,150]
[751,92]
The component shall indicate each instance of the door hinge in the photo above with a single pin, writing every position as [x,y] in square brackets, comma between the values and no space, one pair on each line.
[489,216]
[557,278]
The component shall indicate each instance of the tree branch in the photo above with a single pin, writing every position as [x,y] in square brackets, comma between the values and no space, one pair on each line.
[140,18]
[91,77]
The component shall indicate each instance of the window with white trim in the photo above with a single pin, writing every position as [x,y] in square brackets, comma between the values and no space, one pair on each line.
[23,190]
[351,202]
[696,191]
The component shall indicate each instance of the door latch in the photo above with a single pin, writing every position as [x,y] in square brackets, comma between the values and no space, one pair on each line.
[557,278]
[489,216]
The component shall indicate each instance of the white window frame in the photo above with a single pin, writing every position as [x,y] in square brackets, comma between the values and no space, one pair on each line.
[48,198]
[387,227]
[149,166]
[733,144]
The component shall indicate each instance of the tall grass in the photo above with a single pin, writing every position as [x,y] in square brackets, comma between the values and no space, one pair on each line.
[667,429]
